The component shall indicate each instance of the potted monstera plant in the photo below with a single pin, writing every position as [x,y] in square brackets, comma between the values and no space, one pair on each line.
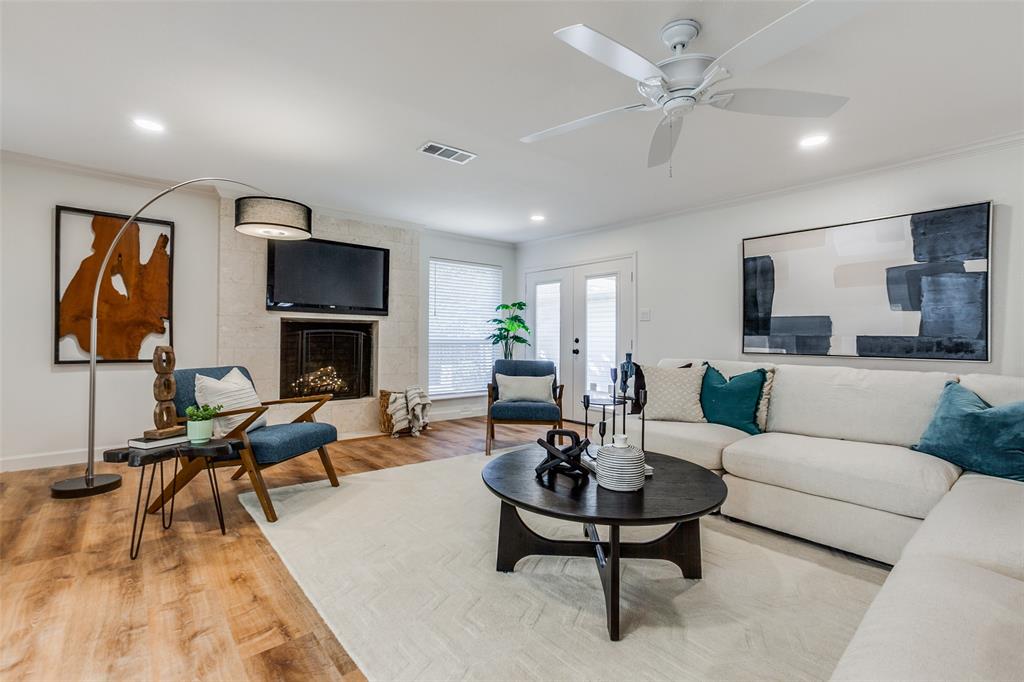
[200,422]
[509,328]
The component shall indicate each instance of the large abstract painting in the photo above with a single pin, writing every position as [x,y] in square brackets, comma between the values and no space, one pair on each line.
[907,286]
[135,293]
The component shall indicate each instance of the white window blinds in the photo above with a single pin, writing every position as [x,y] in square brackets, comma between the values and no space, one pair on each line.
[462,300]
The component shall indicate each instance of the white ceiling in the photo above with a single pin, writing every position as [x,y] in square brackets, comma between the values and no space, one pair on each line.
[327,103]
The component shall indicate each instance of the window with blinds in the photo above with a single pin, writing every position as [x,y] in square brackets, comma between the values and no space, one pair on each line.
[462,300]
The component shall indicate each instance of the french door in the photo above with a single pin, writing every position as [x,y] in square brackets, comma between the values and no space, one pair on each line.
[582,318]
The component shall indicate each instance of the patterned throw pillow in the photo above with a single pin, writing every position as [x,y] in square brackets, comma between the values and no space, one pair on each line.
[766,393]
[636,384]
[674,394]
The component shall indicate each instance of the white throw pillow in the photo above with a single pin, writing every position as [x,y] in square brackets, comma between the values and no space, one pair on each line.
[525,389]
[673,394]
[234,392]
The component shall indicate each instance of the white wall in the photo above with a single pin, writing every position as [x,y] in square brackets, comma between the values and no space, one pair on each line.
[434,244]
[45,406]
[688,265]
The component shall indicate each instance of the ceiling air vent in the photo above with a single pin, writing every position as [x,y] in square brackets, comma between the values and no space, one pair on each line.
[443,151]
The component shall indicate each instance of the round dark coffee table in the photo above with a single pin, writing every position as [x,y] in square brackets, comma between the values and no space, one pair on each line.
[679,493]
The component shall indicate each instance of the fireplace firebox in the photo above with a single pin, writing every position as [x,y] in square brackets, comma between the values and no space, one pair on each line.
[326,357]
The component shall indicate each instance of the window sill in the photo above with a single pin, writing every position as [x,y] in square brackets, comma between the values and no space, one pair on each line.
[456,396]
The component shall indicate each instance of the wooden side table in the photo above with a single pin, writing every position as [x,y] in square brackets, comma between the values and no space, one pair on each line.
[211,451]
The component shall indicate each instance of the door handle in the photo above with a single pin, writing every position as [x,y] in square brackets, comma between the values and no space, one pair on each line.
[575,351]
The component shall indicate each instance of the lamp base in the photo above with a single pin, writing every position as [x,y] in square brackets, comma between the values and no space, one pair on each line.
[79,486]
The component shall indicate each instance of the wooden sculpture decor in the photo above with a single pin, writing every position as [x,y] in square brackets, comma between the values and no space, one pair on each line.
[164,388]
[125,320]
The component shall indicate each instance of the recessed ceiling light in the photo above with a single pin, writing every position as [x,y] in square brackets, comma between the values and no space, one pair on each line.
[537,218]
[148,124]
[813,141]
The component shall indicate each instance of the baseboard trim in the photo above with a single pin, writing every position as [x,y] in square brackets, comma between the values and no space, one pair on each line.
[48,460]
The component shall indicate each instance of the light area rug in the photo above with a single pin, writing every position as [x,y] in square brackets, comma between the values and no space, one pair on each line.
[400,563]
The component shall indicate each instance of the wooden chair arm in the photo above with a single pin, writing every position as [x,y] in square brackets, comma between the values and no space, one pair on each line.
[307,416]
[239,431]
[490,396]
[558,394]
[257,409]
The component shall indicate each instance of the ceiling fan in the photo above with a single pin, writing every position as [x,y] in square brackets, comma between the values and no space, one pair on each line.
[683,81]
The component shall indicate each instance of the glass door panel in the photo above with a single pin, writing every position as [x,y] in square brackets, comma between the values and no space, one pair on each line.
[602,327]
[547,330]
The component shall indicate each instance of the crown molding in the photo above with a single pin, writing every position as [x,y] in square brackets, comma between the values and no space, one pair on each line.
[981,147]
[218,192]
[140,180]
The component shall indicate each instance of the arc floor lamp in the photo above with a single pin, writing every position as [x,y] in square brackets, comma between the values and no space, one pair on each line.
[266,217]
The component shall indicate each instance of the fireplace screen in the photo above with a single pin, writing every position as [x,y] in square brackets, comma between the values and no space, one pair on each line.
[326,357]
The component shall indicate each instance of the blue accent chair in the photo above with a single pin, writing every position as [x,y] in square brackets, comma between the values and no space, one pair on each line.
[259,449]
[521,412]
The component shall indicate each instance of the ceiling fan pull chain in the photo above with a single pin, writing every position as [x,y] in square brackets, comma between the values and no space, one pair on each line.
[671,122]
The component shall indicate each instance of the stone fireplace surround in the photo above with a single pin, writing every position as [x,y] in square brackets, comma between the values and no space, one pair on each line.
[248,334]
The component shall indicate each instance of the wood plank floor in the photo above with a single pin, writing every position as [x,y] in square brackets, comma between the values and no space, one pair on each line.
[196,604]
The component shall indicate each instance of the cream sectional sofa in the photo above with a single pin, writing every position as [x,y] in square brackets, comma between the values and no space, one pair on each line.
[834,465]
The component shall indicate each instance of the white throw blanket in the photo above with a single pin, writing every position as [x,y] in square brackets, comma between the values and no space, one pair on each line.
[409,410]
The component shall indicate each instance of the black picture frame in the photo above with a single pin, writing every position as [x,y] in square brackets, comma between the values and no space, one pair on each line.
[983,355]
[273,304]
[59,211]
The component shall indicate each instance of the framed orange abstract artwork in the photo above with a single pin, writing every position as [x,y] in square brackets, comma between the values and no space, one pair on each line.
[135,299]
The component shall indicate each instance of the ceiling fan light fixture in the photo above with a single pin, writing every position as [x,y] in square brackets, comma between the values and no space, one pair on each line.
[812,141]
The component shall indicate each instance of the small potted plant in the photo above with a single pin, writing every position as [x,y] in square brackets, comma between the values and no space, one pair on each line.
[200,422]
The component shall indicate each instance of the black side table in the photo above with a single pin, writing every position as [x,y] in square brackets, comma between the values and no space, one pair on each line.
[211,451]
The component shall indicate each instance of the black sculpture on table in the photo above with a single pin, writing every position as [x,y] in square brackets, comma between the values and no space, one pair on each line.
[565,460]
[641,397]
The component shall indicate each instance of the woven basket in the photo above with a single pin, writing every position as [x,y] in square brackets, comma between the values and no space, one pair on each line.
[385,420]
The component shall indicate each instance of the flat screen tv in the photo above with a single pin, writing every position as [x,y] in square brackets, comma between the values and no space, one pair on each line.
[316,275]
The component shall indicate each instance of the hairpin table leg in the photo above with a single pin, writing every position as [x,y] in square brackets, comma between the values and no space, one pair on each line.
[215,489]
[137,522]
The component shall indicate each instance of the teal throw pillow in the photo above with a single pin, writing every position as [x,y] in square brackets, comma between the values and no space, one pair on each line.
[970,433]
[732,402]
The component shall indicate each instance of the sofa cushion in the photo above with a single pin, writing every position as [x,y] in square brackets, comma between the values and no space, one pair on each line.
[679,362]
[976,436]
[874,406]
[980,521]
[731,368]
[673,394]
[732,402]
[885,477]
[279,442]
[995,389]
[939,619]
[700,443]
[525,410]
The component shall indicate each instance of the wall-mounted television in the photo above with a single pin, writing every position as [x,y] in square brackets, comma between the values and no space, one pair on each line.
[316,275]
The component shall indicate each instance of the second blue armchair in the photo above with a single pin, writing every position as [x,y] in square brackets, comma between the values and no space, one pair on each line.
[522,412]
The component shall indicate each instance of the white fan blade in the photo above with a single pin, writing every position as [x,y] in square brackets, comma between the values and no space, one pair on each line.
[666,135]
[582,122]
[804,24]
[597,45]
[769,102]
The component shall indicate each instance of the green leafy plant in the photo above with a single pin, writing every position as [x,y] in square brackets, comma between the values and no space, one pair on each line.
[205,413]
[507,329]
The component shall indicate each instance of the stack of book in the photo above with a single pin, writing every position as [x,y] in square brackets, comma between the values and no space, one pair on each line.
[152,443]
